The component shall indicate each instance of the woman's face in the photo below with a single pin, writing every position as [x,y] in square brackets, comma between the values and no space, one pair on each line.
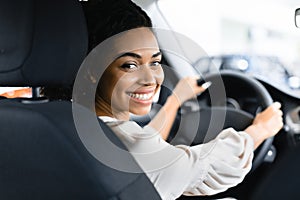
[130,82]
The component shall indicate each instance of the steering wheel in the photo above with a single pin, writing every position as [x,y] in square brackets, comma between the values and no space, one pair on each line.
[232,101]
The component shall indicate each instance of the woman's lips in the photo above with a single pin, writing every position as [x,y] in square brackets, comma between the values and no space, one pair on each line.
[141,96]
[145,96]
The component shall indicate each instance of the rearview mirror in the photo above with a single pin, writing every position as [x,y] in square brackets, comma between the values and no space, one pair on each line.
[297,17]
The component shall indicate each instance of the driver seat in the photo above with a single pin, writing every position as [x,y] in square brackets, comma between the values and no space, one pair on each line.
[43,44]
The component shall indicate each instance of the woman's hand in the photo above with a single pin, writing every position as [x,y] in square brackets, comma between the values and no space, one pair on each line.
[266,124]
[186,89]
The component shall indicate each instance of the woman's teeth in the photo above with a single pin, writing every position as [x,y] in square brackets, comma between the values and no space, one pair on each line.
[141,96]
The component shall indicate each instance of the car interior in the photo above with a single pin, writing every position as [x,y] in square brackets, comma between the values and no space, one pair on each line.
[42,156]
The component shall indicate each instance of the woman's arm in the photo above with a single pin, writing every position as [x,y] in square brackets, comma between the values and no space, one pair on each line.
[266,124]
[186,89]
[163,120]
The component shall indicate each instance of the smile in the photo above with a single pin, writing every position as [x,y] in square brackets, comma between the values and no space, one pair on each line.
[143,97]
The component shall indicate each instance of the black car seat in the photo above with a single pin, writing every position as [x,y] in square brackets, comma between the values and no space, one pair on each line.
[282,180]
[42,44]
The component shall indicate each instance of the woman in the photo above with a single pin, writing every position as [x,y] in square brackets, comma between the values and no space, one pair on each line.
[129,84]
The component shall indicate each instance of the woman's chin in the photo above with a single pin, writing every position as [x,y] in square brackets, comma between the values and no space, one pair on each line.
[143,111]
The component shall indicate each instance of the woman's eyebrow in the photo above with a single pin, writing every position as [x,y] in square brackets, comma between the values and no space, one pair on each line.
[156,54]
[134,55]
[130,54]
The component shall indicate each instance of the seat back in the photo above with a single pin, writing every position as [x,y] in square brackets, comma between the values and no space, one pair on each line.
[42,44]
[282,180]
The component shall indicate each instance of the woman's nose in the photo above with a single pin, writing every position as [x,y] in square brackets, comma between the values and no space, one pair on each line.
[147,76]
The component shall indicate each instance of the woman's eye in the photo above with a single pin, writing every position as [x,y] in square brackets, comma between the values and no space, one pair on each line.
[129,66]
[155,64]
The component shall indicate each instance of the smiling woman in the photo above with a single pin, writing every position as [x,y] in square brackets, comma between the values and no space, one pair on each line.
[128,84]
[134,78]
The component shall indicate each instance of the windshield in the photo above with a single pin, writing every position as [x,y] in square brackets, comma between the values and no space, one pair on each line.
[261,31]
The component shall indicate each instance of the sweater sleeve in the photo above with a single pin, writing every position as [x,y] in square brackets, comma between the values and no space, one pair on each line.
[228,159]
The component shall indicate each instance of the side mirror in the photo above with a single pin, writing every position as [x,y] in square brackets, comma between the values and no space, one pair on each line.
[297,17]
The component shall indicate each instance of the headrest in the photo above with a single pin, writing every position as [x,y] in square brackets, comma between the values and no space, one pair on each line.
[42,43]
